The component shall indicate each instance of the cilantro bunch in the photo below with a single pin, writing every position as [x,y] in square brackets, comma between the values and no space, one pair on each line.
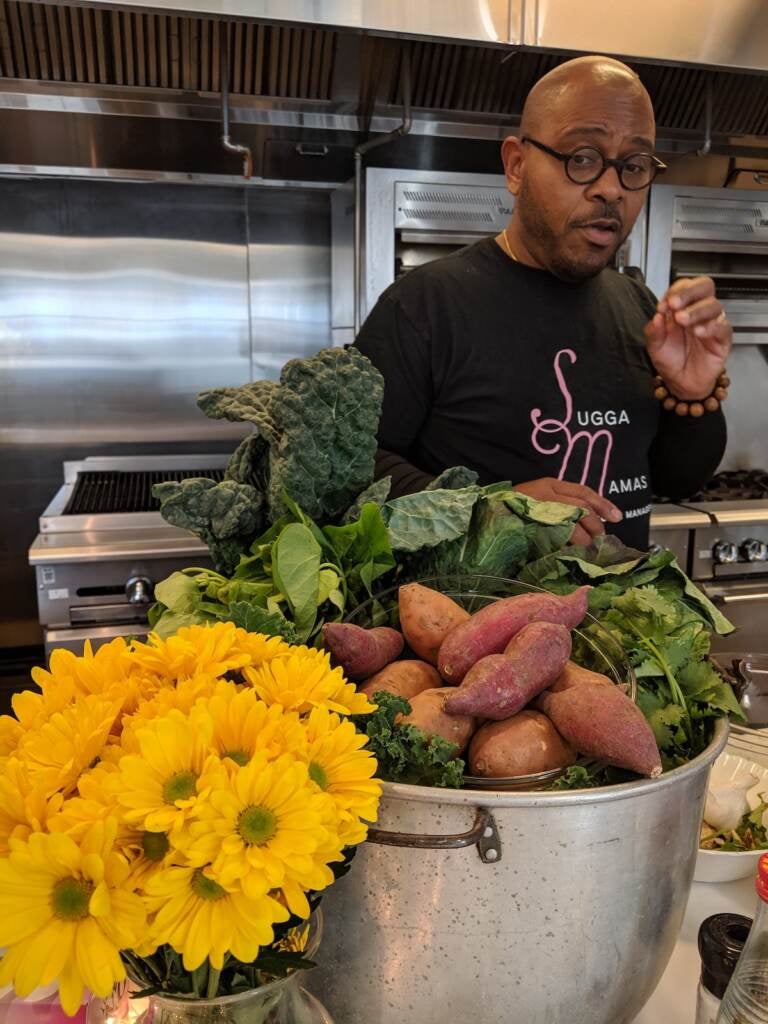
[664,625]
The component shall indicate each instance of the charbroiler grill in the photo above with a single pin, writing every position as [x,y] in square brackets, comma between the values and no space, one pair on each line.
[720,537]
[103,546]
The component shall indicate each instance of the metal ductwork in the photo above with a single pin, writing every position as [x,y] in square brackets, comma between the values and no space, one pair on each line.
[90,46]
[298,89]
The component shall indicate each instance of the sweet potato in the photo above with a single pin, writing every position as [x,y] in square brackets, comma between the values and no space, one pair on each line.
[405,678]
[428,714]
[574,675]
[361,652]
[525,744]
[426,618]
[602,722]
[499,685]
[490,630]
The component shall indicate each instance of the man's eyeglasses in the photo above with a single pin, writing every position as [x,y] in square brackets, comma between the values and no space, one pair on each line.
[586,164]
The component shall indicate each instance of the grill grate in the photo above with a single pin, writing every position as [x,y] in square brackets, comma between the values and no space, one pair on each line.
[99,493]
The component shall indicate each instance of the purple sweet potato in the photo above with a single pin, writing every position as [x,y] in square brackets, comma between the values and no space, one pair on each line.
[490,630]
[426,618]
[406,678]
[602,722]
[499,685]
[525,744]
[361,652]
[428,714]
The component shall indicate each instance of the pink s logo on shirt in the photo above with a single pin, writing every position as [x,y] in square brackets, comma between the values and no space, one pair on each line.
[581,447]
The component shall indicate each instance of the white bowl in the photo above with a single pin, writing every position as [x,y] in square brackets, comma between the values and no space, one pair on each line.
[728,865]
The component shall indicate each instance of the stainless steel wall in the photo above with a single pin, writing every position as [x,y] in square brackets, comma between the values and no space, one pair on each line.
[118,303]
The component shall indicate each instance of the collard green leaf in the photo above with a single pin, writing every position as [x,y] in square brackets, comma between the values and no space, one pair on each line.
[710,611]
[327,418]
[497,545]
[296,566]
[428,518]
[548,513]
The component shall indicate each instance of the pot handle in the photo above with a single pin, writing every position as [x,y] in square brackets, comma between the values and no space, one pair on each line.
[483,834]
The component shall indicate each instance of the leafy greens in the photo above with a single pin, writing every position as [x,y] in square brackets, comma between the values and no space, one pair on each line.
[404,752]
[663,623]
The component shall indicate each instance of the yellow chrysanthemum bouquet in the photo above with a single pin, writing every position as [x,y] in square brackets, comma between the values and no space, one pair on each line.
[175,808]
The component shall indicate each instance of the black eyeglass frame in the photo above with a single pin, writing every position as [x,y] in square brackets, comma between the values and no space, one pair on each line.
[657,166]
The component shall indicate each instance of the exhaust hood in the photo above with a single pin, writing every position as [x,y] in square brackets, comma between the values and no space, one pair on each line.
[307,85]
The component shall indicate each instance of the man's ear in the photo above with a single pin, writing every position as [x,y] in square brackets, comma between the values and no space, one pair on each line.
[513,158]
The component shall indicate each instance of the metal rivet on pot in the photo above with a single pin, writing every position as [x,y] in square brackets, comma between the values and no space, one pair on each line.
[491,854]
[488,832]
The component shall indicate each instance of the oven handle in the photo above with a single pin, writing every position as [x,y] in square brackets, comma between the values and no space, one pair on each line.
[746,598]
[761,595]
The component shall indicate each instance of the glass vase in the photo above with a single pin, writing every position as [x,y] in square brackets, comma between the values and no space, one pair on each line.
[280,1002]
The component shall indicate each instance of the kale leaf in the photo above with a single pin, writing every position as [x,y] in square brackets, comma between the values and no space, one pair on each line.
[327,418]
[405,753]
[248,403]
[225,515]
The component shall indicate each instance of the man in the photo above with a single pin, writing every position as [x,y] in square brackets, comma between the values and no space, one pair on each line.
[526,358]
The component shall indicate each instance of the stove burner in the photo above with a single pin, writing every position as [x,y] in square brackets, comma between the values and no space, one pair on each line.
[733,485]
[99,492]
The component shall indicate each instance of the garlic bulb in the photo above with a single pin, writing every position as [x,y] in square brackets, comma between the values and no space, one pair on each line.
[727,800]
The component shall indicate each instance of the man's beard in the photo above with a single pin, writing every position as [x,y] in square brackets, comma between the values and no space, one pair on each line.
[548,244]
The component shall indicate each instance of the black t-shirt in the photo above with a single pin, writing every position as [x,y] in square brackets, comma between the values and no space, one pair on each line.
[516,374]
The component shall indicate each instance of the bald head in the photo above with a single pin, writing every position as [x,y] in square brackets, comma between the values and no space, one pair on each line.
[592,113]
[579,78]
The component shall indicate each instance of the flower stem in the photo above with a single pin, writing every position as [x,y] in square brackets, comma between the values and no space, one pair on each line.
[213,982]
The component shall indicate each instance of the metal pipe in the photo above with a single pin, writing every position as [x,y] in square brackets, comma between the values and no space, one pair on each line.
[704,150]
[231,147]
[380,140]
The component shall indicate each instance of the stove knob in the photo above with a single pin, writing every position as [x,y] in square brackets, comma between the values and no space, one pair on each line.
[139,590]
[753,550]
[724,552]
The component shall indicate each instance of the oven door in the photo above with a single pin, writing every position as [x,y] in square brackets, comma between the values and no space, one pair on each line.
[745,603]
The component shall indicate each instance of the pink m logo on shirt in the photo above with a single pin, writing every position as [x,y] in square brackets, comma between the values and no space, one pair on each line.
[564,440]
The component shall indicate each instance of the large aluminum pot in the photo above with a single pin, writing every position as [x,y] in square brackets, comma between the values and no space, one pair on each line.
[514,908]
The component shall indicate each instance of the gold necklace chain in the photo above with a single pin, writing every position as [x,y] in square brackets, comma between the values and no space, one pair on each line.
[508,247]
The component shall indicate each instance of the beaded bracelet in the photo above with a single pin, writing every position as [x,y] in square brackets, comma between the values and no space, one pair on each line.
[682,408]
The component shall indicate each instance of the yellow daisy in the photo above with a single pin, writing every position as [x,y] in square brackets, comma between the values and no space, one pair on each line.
[65,914]
[340,765]
[33,709]
[10,734]
[59,750]
[243,725]
[159,787]
[94,802]
[109,671]
[212,649]
[262,825]
[201,918]
[182,697]
[23,806]
[303,679]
